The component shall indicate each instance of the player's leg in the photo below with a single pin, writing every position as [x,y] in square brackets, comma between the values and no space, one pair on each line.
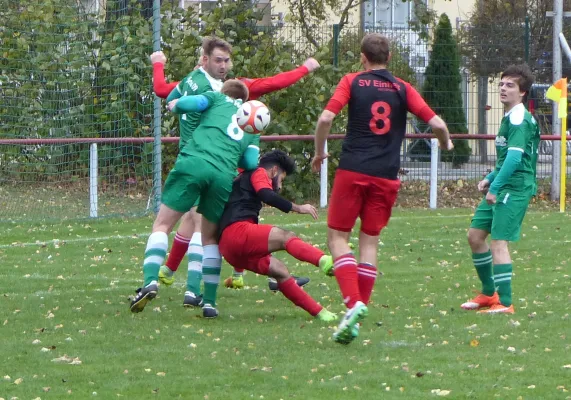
[380,197]
[211,207]
[192,296]
[179,248]
[482,257]
[155,254]
[509,213]
[287,285]
[280,239]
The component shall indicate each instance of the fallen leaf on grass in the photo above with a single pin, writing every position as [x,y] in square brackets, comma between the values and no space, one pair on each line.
[440,392]
[474,343]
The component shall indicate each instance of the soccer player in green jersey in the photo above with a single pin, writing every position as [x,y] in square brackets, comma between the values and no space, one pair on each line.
[508,189]
[203,170]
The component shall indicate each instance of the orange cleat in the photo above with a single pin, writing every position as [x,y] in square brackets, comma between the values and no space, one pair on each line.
[498,309]
[481,301]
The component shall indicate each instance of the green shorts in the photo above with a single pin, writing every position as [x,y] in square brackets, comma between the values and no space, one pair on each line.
[503,219]
[193,181]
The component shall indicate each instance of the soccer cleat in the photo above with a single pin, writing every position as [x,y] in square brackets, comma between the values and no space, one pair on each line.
[326,265]
[301,281]
[208,311]
[234,282]
[166,275]
[347,329]
[481,301]
[144,295]
[326,316]
[498,309]
[192,300]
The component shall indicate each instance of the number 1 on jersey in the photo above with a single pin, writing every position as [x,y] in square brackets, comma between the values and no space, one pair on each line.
[383,116]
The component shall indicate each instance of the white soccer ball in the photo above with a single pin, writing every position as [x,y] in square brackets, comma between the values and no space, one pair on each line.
[253,116]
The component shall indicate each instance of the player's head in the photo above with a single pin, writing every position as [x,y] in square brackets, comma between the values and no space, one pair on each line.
[375,50]
[515,84]
[277,165]
[235,89]
[216,57]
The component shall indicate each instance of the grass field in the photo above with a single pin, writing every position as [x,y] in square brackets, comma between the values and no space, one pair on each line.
[67,331]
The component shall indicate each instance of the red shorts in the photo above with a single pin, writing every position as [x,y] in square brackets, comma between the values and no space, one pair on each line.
[244,244]
[359,195]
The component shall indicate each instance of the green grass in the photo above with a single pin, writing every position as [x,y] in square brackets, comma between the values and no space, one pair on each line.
[71,295]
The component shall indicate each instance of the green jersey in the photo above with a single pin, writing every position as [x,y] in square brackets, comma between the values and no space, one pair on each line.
[218,139]
[197,82]
[519,131]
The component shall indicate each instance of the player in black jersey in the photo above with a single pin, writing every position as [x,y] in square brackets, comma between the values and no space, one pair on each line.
[366,182]
[246,244]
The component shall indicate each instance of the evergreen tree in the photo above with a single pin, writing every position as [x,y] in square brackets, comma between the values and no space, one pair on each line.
[442,89]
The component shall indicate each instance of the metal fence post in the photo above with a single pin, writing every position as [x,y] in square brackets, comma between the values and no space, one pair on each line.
[93,178]
[157,163]
[557,73]
[336,32]
[433,173]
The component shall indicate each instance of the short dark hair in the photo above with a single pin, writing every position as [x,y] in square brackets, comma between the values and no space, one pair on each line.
[522,75]
[213,42]
[376,48]
[235,89]
[279,158]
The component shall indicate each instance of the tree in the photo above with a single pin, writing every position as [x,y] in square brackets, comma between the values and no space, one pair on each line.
[442,88]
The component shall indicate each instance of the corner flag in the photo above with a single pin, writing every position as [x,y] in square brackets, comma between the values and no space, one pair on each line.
[558,93]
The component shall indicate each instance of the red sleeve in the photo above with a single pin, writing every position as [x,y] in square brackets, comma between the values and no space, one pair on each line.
[260,180]
[160,86]
[261,86]
[416,103]
[342,94]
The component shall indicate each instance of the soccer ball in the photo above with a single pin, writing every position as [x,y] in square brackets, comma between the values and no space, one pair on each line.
[253,116]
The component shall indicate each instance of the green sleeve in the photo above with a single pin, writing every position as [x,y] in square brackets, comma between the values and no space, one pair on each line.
[175,93]
[513,159]
[491,176]
[249,159]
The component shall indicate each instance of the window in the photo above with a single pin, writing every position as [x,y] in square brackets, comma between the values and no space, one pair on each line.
[387,13]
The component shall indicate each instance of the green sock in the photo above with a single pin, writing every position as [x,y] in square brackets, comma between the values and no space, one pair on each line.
[503,279]
[194,254]
[483,264]
[211,265]
[237,274]
[155,255]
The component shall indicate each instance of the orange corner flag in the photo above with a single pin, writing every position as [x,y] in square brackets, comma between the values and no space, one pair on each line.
[558,92]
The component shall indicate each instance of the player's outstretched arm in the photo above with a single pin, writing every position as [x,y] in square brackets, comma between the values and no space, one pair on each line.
[260,86]
[321,132]
[440,129]
[160,85]
[186,104]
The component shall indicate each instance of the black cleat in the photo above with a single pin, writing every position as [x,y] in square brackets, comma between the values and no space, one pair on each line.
[192,300]
[144,295]
[300,280]
[209,311]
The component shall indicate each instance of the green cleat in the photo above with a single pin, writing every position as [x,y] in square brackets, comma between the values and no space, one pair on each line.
[166,275]
[326,316]
[348,329]
[326,265]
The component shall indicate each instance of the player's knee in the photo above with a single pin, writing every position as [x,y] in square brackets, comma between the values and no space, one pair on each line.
[475,237]
[278,270]
[287,235]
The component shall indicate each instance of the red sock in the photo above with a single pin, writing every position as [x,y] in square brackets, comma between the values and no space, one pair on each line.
[366,274]
[299,297]
[303,251]
[178,251]
[345,269]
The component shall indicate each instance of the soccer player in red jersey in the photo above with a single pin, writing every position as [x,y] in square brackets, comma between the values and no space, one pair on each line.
[246,244]
[188,237]
[366,182]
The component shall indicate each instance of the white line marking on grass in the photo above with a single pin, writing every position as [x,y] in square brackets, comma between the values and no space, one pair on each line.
[138,236]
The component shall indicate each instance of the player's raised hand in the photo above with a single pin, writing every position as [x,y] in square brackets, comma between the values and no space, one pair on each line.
[172,104]
[446,146]
[483,186]
[158,57]
[308,209]
[317,161]
[311,64]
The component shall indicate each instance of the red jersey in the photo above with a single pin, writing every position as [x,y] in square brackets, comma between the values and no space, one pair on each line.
[257,86]
[378,106]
